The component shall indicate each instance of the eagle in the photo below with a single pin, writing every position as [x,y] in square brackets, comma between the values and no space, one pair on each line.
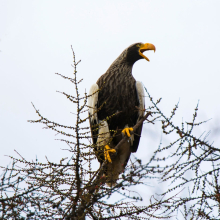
[116,103]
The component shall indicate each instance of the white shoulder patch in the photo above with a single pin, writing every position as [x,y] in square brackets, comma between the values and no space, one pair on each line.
[104,134]
[141,98]
[92,102]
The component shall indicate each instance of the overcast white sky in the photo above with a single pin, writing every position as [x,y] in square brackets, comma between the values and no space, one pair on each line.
[35,39]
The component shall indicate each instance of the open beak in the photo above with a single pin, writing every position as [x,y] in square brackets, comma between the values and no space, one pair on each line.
[145,47]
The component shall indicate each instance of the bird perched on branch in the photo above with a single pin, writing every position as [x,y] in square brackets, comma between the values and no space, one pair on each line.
[116,103]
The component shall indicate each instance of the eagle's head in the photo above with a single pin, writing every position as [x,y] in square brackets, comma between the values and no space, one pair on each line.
[135,52]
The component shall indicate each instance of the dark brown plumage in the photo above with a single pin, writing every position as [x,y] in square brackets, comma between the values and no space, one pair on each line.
[118,92]
[119,104]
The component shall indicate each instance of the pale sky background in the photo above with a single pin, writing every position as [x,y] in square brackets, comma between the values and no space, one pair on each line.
[35,39]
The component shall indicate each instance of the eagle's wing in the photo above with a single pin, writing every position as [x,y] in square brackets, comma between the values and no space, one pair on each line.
[99,128]
[93,115]
[141,107]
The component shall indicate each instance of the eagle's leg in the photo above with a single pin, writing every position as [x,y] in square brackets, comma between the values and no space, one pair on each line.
[108,150]
[104,140]
[127,131]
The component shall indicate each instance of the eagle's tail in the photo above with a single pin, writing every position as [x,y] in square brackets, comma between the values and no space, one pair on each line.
[118,164]
[111,179]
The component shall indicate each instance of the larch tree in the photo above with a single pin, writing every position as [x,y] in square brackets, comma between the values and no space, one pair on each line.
[75,187]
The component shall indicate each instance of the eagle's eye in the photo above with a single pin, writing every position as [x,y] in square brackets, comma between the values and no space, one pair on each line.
[138,45]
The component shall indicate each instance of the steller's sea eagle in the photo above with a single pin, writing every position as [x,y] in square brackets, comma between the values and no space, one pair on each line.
[116,103]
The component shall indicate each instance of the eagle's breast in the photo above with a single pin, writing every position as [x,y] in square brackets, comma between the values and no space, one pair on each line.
[117,95]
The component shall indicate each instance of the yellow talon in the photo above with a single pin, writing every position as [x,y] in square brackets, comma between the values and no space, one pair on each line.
[127,131]
[108,150]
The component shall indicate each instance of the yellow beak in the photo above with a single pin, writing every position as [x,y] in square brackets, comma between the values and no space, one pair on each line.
[145,47]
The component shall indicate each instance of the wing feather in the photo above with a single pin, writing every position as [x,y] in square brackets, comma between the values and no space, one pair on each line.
[141,106]
[141,98]
[93,116]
